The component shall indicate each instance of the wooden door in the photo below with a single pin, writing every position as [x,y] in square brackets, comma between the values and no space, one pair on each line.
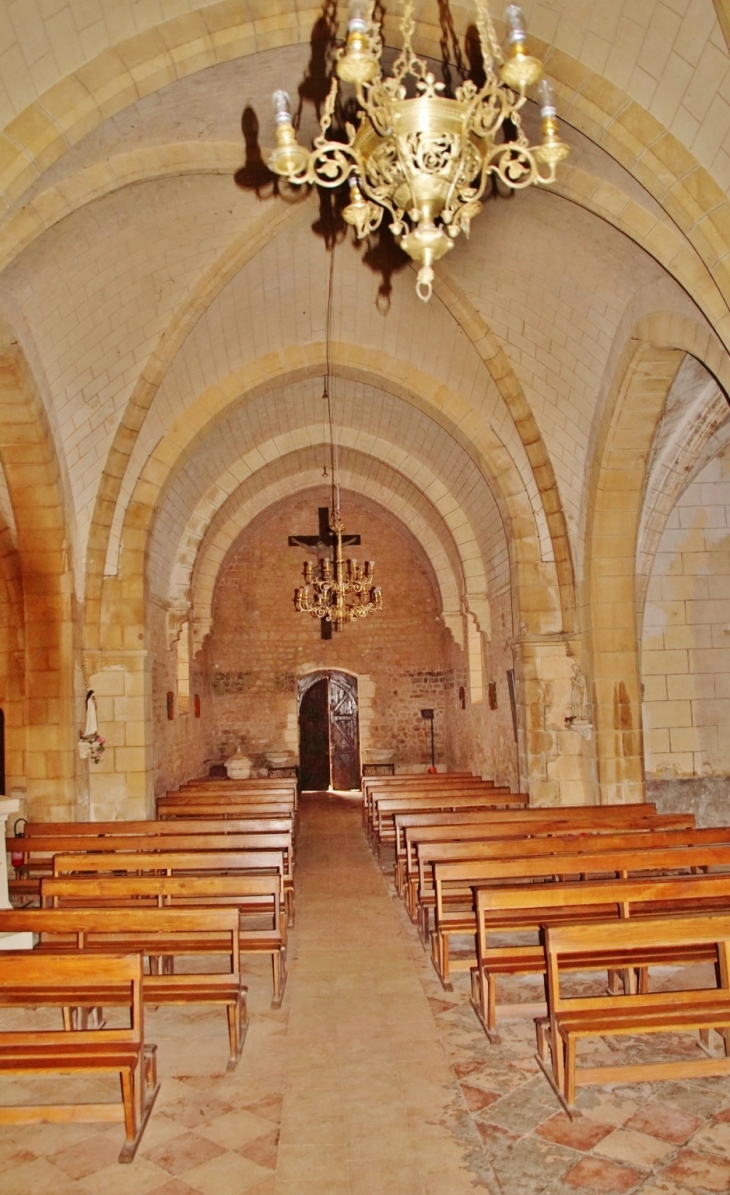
[314,746]
[344,731]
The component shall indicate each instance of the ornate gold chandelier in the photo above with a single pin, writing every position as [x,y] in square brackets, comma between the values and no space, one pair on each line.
[425,158]
[340,594]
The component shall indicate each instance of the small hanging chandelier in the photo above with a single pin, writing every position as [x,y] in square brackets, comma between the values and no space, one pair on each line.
[426,159]
[340,593]
[342,590]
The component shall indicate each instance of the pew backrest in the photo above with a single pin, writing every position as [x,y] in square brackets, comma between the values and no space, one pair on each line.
[431,854]
[474,873]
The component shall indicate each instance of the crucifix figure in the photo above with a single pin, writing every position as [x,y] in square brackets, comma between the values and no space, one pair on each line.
[323,545]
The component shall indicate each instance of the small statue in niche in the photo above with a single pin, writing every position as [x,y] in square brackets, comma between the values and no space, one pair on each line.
[579,697]
[170,706]
[580,715]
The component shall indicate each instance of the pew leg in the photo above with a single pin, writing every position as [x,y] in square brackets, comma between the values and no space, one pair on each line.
[278,961]
[491,982]
[139,1092]
[570,1046]
[237,1029]
[557,1050]
[440,958]
[130,1096]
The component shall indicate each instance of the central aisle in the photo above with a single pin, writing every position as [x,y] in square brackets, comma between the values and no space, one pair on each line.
[371,1105]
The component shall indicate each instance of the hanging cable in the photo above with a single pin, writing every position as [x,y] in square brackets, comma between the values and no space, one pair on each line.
[326,395]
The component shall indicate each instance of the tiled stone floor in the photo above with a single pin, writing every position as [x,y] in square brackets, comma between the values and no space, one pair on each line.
[371,1080]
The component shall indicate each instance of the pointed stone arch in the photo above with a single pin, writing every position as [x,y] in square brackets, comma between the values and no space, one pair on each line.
[30,465]
[642,381]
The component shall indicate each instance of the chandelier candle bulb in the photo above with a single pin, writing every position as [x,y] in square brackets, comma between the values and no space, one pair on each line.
[552,151]
[282,107]
[546,95]
[289,158]
[520,71]
[359,63]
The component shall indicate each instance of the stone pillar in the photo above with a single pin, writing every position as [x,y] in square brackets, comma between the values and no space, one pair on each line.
[556,764]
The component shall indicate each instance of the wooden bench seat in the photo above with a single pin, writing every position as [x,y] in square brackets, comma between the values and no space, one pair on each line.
[385,809]
[413,782]
[222,794]
[190,809]
[204,852]
[407,793]
[212,825]
[427,846]
[455,882]
[225,786]
[608,817]
[529,908]
[34,981]
[259,894]
[160,935]
[572,1019]
[430,854]
[188,863]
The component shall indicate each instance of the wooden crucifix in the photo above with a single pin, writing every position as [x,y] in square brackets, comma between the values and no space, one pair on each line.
[323,545]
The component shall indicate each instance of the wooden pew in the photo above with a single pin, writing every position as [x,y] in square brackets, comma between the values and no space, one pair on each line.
[158,934]
[430,854]
[385,809]
[283,791]
[419,840]
[529,908]
[40,852]
[256,861]
[416,782]
[212,825]
[247,892]
[29,980]
[408,792]
[571,1020]
[253,784]
[610,816]
[189,809]
[457,881]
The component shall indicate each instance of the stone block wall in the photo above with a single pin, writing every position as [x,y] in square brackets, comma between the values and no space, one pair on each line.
[248,670]
[260,645]
[686,648]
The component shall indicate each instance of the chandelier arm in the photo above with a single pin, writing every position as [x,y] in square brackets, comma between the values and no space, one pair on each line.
[517,168]
[331,164]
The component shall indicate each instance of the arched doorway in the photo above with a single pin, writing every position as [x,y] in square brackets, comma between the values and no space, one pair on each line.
[329,737]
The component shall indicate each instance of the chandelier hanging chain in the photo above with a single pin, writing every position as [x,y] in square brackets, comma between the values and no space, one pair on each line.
[424,158]
[327,390]
[336,591]
[488,41]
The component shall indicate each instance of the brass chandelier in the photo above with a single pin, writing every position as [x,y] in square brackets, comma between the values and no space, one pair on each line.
[424,158]
[338,591]
[342,591]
